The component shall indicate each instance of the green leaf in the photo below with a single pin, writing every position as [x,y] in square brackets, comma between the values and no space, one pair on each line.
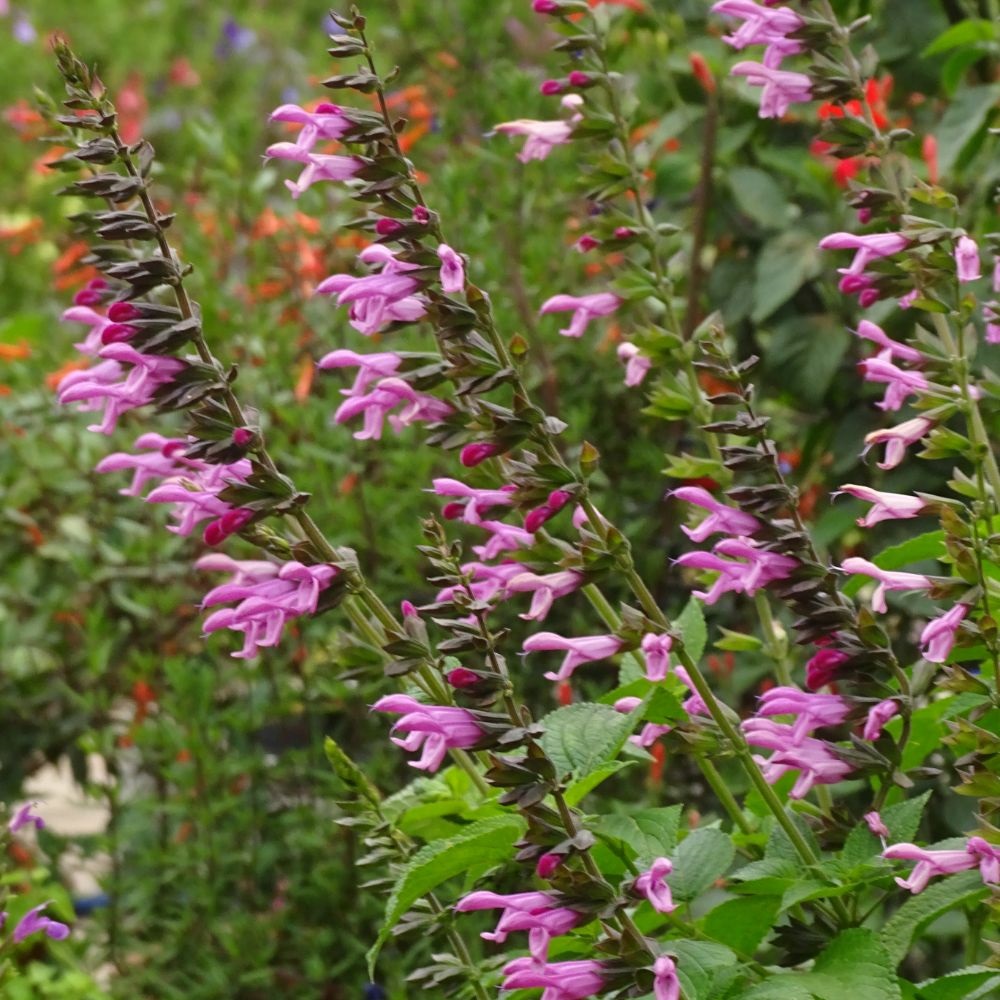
[694,634]
[976,980]
[737,642]
[785,263]
[700,967]
[703,856]
[965,32]
[480,846]
[804,353]
[854,965]
[966,115]
[580,738]
[650,833]
[758,195]
[930,545]
[902,821]
[743,923]
[577,790]
[923,909]
[786,986]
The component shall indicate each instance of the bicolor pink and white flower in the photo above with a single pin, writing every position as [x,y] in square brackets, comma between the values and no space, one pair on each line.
[584,649]
[584,309]
[887,580]
[885,506]
[545,588]
[541,137]
[637,365]
[432,729]
[938,637]
[780,88]
[653,885]
[897,439]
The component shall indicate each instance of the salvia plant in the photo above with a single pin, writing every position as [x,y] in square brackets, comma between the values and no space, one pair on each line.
[796,849]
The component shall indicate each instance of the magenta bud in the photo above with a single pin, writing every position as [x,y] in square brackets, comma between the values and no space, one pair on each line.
[115,333]
[171,448]
[233,520]
[545,6]
[472,454]
[409,610]
[550,87]
[822,668]
[122,312]
[624,233]
[421,215]
[97,283]
[579,79]
[87,297]
[452,511]
[386,227]
[242,436]
[213,533]
[326,108]
[557,500]
[461,677]
[587,242]
[534,519]
[868,297]
[864,216]
[547,864]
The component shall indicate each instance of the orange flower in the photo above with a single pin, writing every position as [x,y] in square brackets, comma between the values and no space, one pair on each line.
[15,352]
[303,384]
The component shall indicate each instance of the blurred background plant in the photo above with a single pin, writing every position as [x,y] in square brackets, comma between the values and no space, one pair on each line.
[225,874]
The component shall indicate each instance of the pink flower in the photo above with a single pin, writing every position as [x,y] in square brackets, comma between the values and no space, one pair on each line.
[650,732]
[371,367]
[543,137]
[503,538]
[476,453]
[476,501]
[888,580]
[266,595]
[897,439]
[92,343]
[929,863]
[721,516]
[328,121]
[938,636]
[693,705]
[989,859]
[899,383]
[585,649]
[991,315]
[26,816]
[161,460]
[539,913]
[547,864]
[867,248]
[870,331]
[194,493]
[434,728]
[813,758]
[561,980]
[822,667]
[583,307]
[546,589]
[318,166]
[656,649]
[878,716]
[652,884]
[388,395]
[636,365]
[762,26]
[33,922]
[781,88]
[887,506]
[666,985]
[812,711]
[967,259]
[875,824]
[452,274]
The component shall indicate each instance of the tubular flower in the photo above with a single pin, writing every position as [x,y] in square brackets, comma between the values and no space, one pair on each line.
[433,729]
[693,705]
[897,439]
[487,581]
[762,26]
[26,816]
[967,259]
[886,506]
[371,367]
[871,331]
[543,137]
[666,984]
[583,307]
[938,636]
[879,715]
[388,394]
[452,274]
[652,884]
[781,88]
[721,516]
[867,248]
[560,980]
[876,824]
[162,459]
[888,580]
[585,649]
[811,711]
[92,342]
[546,588]
[195,493]
[328,121]
[267,595]
[656,649]
[539,913]
[33,922]
[899,382]
[814,759]
[636,365]
[650,732]
[931,863]
[503,538]
[474,502]
[318,166]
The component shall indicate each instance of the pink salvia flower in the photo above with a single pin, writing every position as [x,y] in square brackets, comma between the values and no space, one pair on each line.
[543,137]
[650,732]
[878,716]
[693,705]
[876,824]
[652,884]
[433,729]
[575,980]
[476,453]
[92,342]
[762,26]
[33,922]
[781,88]
[371,367]
[656,649]
[811,711]
[967,259]
[26,816]
[328,121]
[762,567]
[636,365]
[545,588]
[813,758]
[476,501]
[585,649]
[452,274]
[938,636]
[871,331]
[194,493]
[899,382]
[897,439]
[867,248]
[991,316]
[988,856]
[503,538]
[539,913]
[929,864]
[822,667]
[666,984]
[583,307]
[160,459]
[888,580]
[390,394]
[722,517]
[886,506]
[266,596]
[547,864]
[318,166]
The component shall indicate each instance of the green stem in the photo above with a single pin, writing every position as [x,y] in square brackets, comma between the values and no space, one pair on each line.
[777,645]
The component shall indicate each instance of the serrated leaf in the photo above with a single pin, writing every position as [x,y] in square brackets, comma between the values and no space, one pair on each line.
[650,833]
[580,738]
[855,964]
[576,790]
[700,966]
[703,856]
[694,634]
[976,980]
[481,845]
[743,923]
[902,821]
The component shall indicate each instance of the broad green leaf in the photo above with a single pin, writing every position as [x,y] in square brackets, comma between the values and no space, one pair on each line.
[930,545]
[479,846]
[854,965]
[758,195]
[916,913]
[786,986]
[691,622]
[577,790]
[966,115]
[700,967]
[580,738]
[650,833]
[785,263]
[804,354]
[969,30]
[902,821]
[743,923]
[703,856]
[974,981]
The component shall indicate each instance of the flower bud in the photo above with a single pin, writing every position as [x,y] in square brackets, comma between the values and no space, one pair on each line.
[547,864]
[550,87]
[421,215]
[242,436]
[462,677]
[408,609]
[116,333]
[452,511]
[580,79]
[545,7]
[122,312]
[472,454]
[386,227]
